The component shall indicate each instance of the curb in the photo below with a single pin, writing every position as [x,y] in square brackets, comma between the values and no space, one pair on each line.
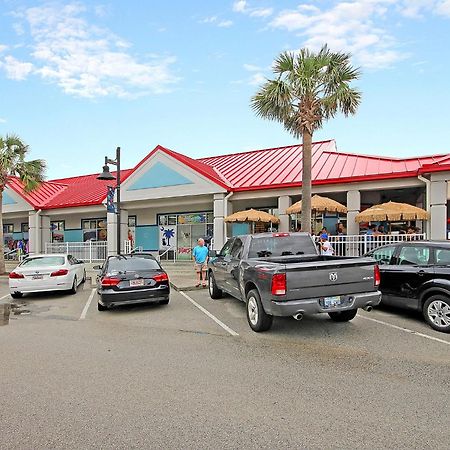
[186,288]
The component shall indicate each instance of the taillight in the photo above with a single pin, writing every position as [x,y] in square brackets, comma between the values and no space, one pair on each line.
[110,281]
[279,284]
[161,277]
[376,276]
[15,275]
[59,273]
[280,234]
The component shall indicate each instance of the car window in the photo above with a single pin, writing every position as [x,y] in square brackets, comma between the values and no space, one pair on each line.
[383,255]
[43,261]
[226,249]
[237,248]
[443,257]
[281,244]
[131,264]
[414,256]
[71,259]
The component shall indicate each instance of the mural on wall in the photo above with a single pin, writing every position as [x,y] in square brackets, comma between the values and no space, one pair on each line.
[167,237]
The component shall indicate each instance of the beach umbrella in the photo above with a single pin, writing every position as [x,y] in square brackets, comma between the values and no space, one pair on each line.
[319,205]
[252,215]
[392,211]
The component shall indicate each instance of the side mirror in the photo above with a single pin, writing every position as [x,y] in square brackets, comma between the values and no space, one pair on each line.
[80,262]
[97,268]
[213,253]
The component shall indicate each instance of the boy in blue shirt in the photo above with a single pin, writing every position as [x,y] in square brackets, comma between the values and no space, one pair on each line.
[200,257]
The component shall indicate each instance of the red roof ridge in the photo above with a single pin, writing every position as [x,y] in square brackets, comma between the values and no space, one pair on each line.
[389,158]
[245,152]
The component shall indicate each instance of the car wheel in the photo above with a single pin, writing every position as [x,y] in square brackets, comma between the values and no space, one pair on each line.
[100,307]
[214,291]
[73,290]
[17,295]
[164,302]
[436,311]
[257,318]
[343,316]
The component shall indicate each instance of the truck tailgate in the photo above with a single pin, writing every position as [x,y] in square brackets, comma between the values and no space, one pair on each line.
[329,278]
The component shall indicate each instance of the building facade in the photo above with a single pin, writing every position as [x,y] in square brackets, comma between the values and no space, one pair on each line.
[170,200]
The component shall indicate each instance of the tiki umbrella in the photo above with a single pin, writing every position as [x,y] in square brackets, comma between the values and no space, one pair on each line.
[319,205]
[392,211]
[252,215]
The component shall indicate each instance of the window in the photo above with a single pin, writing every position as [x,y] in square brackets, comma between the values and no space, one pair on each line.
[132,264]
[57,229]
[383,255]
[414,256]
[443,257]
[43,261]
[283,244]
[237,248]
[94,230]
[8,228]
[226,250]
[24,227]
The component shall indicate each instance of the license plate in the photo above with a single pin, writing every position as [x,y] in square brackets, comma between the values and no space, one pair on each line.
[37,277]
[332,302]
[136,283]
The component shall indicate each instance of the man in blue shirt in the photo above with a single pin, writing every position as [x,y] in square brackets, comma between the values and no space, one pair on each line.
[200,257]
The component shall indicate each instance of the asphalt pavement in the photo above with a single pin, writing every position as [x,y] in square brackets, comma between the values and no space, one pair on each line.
[192,374]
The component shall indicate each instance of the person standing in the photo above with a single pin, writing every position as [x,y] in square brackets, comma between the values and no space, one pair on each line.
[200,257]
[325,247]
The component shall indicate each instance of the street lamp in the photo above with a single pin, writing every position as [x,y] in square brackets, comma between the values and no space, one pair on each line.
[106,175]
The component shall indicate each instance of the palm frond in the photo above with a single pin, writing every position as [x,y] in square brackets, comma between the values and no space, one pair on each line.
[31,173]
[273,100]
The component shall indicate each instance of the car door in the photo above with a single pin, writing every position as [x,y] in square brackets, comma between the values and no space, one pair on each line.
[384,257]
[410,268]
[442,263]
[221,263]
[232,267]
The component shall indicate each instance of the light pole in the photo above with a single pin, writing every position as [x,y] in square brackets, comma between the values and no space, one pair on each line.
[106,175]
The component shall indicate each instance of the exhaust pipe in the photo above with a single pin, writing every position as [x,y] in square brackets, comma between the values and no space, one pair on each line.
[368,308]
[298,316]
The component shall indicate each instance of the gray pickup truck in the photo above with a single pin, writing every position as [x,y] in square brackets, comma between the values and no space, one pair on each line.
[282,274]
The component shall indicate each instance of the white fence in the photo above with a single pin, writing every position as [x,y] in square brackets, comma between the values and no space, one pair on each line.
[88,251]
[358,245]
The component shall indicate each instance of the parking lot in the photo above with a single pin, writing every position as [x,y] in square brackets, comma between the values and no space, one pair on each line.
[193,375]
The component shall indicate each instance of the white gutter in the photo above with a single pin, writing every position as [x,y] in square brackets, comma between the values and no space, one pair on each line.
[427,201]
[225,213]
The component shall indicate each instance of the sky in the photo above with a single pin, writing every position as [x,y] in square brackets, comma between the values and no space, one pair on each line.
[78,79]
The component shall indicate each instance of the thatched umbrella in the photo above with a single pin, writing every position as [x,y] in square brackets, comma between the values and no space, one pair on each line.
[252,215]
[392,211]
[319,205]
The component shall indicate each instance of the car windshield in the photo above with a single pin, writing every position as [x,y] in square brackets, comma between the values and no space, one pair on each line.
[132,264]
[43,261]
[281,245]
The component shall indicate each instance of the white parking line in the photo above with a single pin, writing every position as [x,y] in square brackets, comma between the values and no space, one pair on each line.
[211,316]
[7,295]
[86,306]
[407,330]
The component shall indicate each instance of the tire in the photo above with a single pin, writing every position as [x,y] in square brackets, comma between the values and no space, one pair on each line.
[214,292]
[17,295]
[343,316]
[257,318]
[101,307]
[74,287]
[436,311]
[164,302]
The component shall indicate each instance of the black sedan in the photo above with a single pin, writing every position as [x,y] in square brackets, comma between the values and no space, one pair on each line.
[416,275]
[135,278]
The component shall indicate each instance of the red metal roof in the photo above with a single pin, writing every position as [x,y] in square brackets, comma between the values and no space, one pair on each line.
[259,169]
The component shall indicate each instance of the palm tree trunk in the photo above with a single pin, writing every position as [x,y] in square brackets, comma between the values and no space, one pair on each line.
[306,181]
[2,252]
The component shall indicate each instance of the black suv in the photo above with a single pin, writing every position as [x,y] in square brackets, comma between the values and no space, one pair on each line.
[416,275]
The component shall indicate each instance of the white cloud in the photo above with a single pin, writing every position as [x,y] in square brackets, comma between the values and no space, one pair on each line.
[257,79]
[443,8]
[3,48]
[211,19]
[352,26]
[240,6]
[86,60]
[252,68]
[261,12]
[2,120]
[15,69]
[225,23]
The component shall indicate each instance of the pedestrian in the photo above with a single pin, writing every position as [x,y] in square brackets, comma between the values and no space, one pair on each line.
[200,257]
[325,247]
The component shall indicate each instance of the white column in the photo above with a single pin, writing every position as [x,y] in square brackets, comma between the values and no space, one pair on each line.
[33,238]
[123,228]
[353,208]
[284,202]
[45,232]
[438,209]
[219,228]
[111,221]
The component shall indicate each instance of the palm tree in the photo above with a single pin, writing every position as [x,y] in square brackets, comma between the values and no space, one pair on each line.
[309,88]
[12,163]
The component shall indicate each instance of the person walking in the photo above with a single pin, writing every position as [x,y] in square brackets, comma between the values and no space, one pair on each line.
[200,257]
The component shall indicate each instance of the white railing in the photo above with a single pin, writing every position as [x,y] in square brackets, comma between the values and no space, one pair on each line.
[88,251]
[358,245]
[166,254]
[128,249]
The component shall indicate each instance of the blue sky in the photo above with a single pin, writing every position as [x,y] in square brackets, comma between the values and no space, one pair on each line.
[78,79]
